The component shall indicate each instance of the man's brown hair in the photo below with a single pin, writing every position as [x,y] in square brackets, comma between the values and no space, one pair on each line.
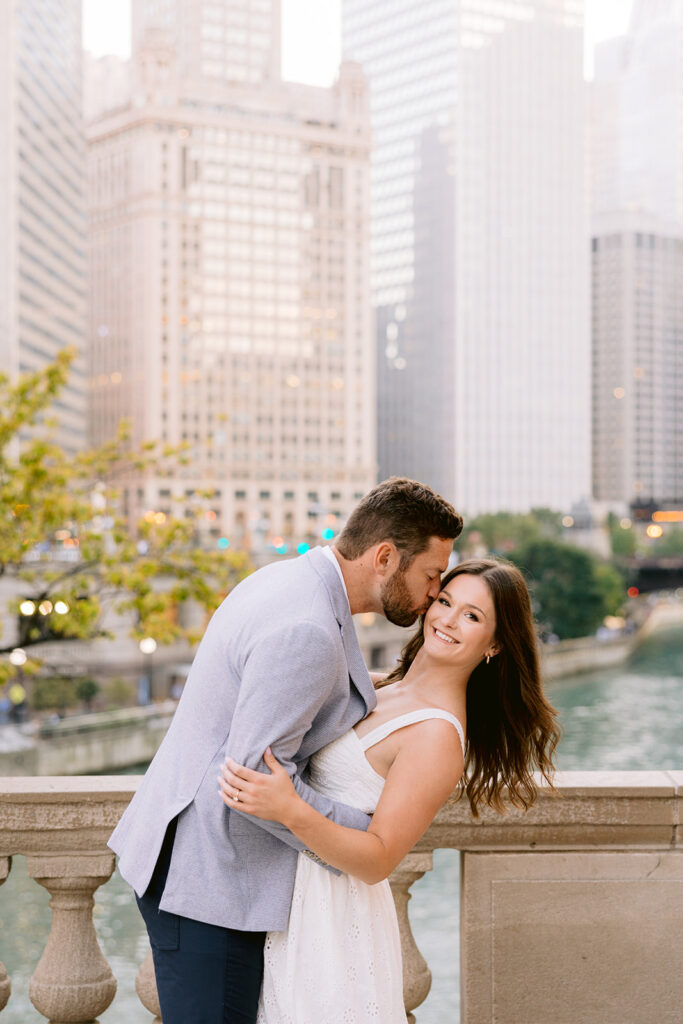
[403,511]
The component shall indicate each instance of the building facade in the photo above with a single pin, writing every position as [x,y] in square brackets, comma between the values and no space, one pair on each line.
[42,199]
[229,285]
[636,102]
[637,362]
[217,43]
[479,245]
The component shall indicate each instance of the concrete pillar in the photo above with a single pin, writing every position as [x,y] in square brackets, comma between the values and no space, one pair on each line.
[5,983]
[417,978]
[73,982]
[580,937]
[146,988]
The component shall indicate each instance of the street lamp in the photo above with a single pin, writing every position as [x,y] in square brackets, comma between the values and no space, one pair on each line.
[148,646]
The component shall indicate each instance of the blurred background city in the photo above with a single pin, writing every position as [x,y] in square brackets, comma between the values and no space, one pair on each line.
[255,256]
[258,255]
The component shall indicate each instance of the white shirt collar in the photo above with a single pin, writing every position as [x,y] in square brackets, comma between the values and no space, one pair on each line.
[329,553]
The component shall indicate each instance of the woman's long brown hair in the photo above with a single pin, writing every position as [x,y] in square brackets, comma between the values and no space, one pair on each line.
[512,730]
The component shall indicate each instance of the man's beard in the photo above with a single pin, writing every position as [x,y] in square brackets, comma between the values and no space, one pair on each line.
[396,601]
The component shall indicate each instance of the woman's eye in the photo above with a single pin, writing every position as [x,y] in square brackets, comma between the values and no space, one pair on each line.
[442,600]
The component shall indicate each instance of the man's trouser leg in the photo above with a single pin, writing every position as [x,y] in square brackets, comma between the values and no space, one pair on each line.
[205,974]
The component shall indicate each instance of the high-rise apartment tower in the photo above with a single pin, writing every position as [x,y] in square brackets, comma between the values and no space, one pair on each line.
[637,361]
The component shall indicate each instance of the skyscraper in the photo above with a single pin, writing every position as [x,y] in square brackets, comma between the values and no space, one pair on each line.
[636,101]
[230,305]
[637,361]
[217,43]
[637,184]
[42,198]
[480,254]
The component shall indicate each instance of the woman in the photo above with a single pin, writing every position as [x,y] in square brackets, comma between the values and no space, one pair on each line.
[471,667]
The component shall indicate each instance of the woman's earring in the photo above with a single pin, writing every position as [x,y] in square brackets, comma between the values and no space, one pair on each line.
[488,658]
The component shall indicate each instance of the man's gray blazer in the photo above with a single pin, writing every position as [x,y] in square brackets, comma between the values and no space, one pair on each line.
[279,666]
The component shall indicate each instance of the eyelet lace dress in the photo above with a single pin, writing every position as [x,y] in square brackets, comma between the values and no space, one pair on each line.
[339,961]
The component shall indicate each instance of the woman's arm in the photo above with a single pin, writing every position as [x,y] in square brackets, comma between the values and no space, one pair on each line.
[424,773]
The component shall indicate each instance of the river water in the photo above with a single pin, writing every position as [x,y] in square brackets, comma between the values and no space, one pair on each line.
[621,719]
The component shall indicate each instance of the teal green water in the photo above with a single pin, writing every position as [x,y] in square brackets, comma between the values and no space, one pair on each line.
[622,719]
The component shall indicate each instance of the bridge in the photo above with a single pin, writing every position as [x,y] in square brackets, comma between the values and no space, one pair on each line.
[652,574]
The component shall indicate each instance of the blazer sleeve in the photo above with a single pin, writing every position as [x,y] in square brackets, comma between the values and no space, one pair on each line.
[285,681]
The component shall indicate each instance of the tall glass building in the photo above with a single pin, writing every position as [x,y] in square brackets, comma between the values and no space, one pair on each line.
[42,198]
[479,245]
[637,128]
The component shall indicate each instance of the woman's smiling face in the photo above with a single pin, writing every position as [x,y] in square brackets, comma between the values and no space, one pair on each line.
[460,625]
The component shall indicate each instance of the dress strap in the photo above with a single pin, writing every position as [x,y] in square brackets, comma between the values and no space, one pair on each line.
[421,715]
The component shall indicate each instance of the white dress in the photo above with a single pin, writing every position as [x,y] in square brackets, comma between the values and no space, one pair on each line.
[339,961]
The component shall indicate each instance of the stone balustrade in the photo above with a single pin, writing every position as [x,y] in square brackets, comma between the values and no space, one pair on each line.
[571,913]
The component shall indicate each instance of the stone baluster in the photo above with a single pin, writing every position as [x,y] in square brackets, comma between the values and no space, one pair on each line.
[417,978]
[5,983]
[73,982]
[146,987]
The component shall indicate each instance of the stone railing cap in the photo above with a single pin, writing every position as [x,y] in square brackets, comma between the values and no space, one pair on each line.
[72,788]
[618,783]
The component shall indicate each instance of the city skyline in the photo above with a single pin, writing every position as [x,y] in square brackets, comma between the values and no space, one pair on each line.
[110,33]
[514,329]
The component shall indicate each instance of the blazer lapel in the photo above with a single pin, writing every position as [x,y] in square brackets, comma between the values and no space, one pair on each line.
[357,670]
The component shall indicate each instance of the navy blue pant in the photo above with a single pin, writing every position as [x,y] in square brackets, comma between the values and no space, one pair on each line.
[205,974]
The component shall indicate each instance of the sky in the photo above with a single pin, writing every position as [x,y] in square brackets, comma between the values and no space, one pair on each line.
[106,29]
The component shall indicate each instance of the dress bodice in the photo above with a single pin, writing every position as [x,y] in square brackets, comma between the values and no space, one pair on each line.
[342,772]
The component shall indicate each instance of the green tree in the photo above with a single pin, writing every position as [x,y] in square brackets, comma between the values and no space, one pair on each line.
[571,590]
[86,691]
[117,693]
[670,544]
[502,532]
[65,541]
[53,693]
[622,538]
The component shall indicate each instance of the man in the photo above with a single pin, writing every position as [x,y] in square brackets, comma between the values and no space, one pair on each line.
[279,666]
